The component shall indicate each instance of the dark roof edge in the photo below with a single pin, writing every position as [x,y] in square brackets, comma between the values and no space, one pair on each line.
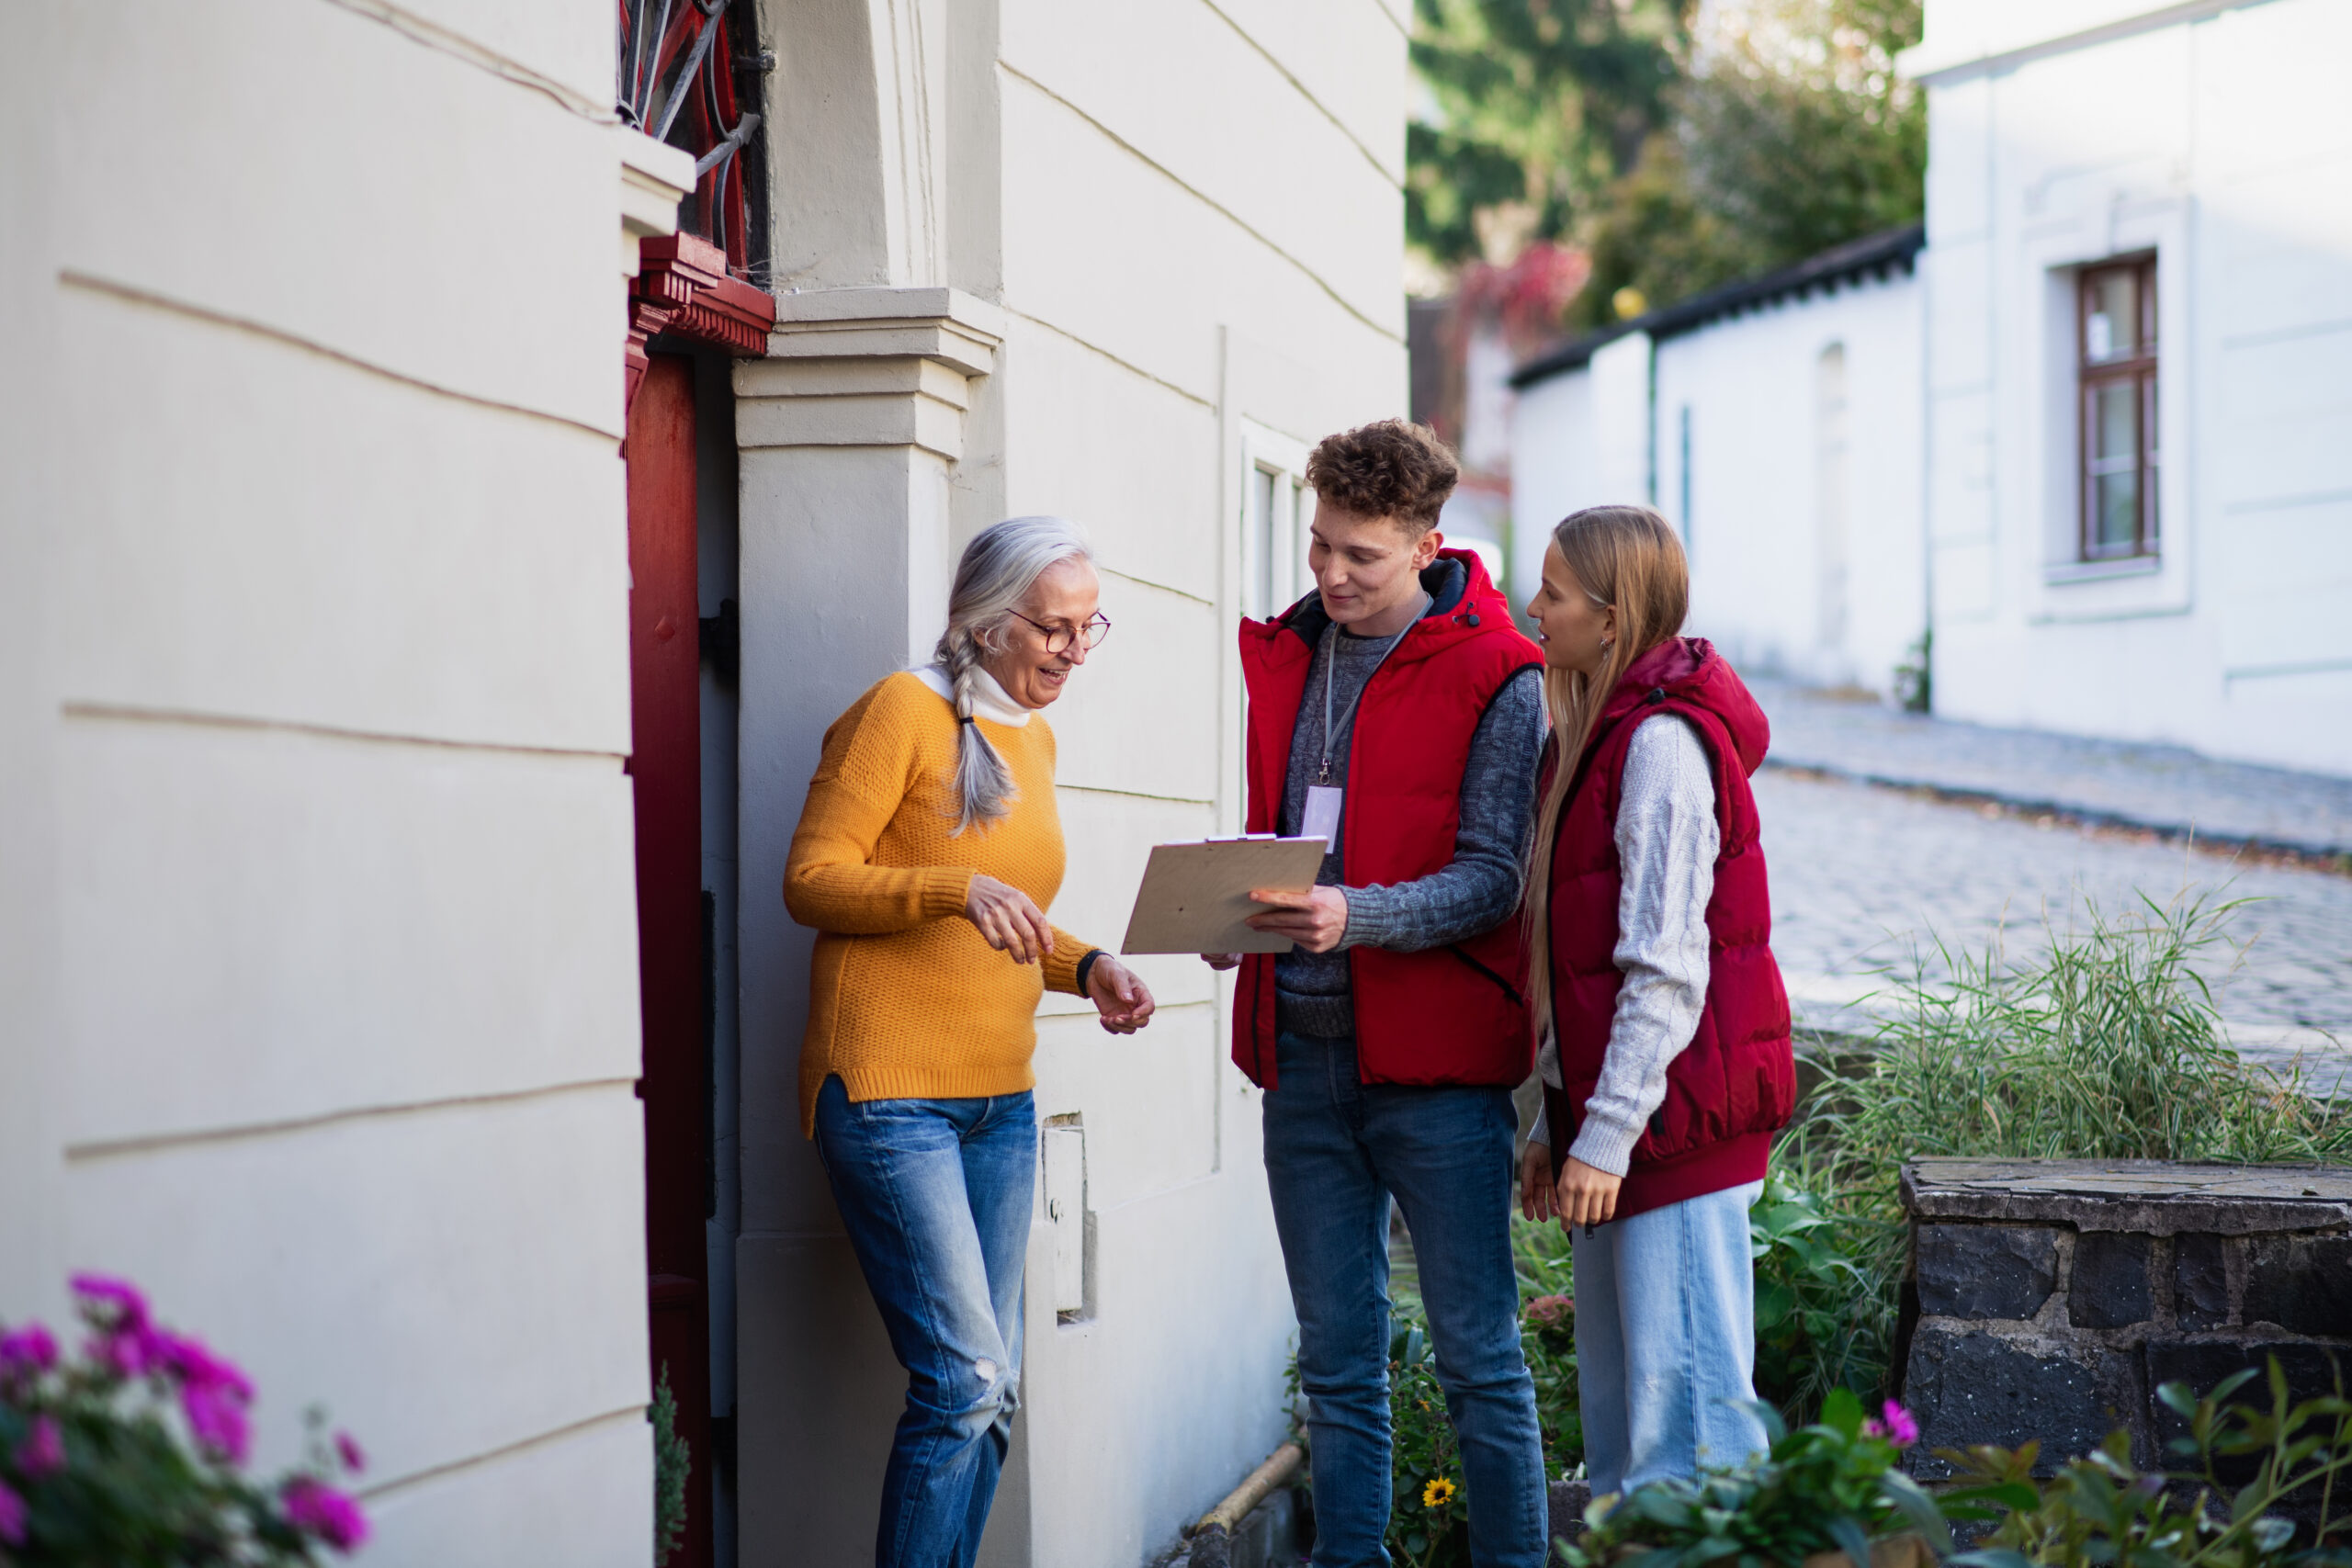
[1870,254]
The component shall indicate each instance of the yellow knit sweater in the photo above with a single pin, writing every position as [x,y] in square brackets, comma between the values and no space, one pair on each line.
[905,998]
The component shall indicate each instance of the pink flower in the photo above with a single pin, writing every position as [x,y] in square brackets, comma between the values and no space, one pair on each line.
[1901,1431]
[25,1353]
[213,1394]
[12,1517]
[317,1510]
[348,1449]
[126,1339]
[43,1453]
[1551,1310]
[114,1304]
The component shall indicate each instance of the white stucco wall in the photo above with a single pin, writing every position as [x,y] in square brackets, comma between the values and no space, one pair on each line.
[1182,222]
[1751,508]
[1760,566]
[318,1015]
[2216,136]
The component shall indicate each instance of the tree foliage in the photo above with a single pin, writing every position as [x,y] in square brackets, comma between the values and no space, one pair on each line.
[1682,145]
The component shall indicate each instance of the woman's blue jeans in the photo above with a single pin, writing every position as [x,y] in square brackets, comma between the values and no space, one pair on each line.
[1666,1341]
[1336,1149]
[935,1195]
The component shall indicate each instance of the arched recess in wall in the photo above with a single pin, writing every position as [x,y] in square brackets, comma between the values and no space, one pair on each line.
[1833,501]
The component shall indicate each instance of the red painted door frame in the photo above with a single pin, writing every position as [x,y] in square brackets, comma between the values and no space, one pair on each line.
[665,766]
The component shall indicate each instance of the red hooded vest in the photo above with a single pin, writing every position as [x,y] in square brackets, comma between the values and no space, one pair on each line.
[1452,1015]
[1735,1085]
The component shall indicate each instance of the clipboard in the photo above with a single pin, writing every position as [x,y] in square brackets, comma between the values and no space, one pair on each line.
[1196,897]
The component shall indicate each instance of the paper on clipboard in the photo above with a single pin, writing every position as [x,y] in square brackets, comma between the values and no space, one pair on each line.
[1196,897]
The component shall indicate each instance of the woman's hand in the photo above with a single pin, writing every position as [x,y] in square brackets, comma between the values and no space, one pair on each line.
[1009,917]
[1535,1199]
[1221,960]
[1119,995]
[1315,919]
[1587,1195]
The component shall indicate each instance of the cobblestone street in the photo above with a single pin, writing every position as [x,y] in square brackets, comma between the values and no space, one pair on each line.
[1864,875]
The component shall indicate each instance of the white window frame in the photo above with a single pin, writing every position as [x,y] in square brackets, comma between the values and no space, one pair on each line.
[2101,223]
[1274,547]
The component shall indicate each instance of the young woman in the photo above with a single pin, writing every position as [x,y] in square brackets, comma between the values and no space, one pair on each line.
[926,856]
[1667,1069]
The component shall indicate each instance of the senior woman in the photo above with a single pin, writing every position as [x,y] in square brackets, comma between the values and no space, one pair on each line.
[925,858]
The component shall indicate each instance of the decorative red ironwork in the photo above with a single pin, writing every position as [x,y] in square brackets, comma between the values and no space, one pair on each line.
[677,84]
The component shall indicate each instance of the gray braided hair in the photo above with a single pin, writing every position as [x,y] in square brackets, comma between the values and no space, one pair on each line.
[999,566]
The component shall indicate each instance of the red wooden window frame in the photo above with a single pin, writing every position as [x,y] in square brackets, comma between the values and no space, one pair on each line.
[2120,459]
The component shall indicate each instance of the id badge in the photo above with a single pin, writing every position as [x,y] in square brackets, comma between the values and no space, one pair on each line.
[1322,817]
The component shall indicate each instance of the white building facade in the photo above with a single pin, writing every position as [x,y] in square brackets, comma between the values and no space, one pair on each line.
[2139,346]
[1776,424]
[327,968]
[2101,444]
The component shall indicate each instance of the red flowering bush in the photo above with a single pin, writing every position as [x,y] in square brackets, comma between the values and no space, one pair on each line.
[133,1453]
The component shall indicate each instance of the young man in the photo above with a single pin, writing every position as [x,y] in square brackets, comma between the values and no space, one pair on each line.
[1396,712]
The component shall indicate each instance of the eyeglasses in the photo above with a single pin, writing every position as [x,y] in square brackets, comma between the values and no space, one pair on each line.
[1058,639]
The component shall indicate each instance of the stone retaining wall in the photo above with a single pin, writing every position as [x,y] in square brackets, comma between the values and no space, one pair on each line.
[2049,1298]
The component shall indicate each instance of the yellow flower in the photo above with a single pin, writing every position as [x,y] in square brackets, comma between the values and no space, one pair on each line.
[1437,1493]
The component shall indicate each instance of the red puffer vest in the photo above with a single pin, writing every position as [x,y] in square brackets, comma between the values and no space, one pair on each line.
[1452,1015]
[1735,1085]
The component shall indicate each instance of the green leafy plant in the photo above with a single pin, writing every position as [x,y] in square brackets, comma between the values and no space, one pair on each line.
[133,1453]
[2106,1043]
[672,1463]
[1429,1520]
[1820,1323]
[1831,1486]
[1544,1261]
[2101,1511]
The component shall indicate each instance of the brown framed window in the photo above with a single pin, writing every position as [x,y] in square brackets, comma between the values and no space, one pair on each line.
[2117,344]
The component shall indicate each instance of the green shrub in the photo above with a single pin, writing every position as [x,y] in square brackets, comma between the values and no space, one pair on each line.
[1822,1321]
[2101,1510]
[1831,1486]
[2104,1045]
[1547,1334]
[672,1463]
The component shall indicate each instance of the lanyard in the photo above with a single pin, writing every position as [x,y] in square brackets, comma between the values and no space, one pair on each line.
[1330,665]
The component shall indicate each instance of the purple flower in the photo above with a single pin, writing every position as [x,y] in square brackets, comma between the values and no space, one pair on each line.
[43,1453]
[25,1353]
[114,1304]
[126,1339]
[12,1518]
[317,1510]
[1900,1428]
[213,1395]
[348,1449]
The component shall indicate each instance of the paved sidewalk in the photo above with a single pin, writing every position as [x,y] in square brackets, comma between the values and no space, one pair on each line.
[1865,877]
[2164,787]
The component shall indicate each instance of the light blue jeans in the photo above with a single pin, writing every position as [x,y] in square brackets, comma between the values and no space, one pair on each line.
[1336,1149]
[935,1195]
[1666,1341]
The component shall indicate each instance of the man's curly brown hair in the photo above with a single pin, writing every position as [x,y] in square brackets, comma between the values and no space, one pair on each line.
[1388,468]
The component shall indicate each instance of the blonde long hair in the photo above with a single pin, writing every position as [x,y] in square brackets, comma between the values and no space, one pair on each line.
[1626,557]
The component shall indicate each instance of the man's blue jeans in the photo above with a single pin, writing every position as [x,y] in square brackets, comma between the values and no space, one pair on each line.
[1666,1341]
[937,1195]
[1336,1150]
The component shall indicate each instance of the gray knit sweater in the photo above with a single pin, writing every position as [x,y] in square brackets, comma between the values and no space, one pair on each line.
[1476,893]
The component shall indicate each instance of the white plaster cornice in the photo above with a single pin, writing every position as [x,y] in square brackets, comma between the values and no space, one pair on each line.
[868,367]
[654,178]
[1996,38]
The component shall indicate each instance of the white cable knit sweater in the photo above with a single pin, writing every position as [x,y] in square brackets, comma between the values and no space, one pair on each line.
[1667,844]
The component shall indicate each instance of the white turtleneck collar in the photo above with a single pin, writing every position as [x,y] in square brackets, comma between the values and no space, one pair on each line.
[989,700]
